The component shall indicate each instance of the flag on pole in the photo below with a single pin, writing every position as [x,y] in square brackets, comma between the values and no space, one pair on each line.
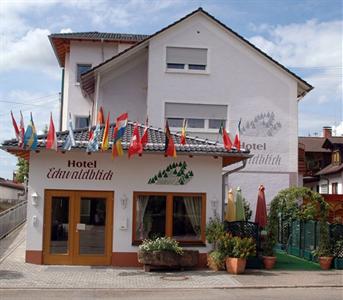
[51,141]
[93,143]
[135,143]
[183,132]
[70,141]
[90,132]
[237,141]
[226,138]
[101,118]
[145,137]
[119,130]
[15,126]
[30,138]
[105,144]
[169,148]
[21,131]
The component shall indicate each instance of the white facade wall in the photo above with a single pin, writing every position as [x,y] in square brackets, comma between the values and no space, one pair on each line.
[129,175]
[329,179]
[245,81]
[83,52]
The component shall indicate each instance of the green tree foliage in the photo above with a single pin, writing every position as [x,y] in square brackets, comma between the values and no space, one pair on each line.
[22,172]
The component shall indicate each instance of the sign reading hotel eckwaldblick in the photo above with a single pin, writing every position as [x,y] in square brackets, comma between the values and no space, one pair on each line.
[80,170]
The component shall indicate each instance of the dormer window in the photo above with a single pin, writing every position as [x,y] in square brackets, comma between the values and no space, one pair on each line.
[336,157]
[187,59]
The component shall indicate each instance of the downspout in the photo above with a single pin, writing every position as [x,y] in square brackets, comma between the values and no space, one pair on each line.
[224,183]
[61,99]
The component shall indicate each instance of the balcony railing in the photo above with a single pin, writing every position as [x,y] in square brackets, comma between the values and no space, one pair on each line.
[11,218]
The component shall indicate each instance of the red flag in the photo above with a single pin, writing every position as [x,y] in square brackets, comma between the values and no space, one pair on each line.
[169,148]
[51,142]
[226,138]
[145,138]
[21,131]
[90,131]
[135,144]
[183,132]
[237,141]
[15,126]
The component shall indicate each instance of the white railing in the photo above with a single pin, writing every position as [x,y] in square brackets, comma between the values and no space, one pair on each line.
[11,218]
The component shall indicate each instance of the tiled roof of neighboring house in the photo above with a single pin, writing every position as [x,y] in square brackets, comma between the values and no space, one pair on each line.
[11,184]
[61,41]
[331,169]
[306,86]
[315,144]
[156,142]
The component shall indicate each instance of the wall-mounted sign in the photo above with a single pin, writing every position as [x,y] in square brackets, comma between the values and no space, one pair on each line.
[174,174]
[80,170]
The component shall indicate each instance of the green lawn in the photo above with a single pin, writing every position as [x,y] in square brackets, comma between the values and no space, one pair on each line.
[290,262]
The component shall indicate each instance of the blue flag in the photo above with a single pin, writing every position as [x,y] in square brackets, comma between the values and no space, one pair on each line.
[93,144]
[30,137]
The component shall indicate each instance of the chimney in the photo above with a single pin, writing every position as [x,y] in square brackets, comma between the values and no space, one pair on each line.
[327,132]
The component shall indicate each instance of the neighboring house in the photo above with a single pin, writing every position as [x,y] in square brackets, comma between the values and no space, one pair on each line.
[11,192]
[199,69]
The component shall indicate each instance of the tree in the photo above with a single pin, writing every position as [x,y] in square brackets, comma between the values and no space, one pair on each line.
[22,172]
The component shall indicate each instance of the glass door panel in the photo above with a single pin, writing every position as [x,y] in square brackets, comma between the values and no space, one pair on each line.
[92,226]
[59,227]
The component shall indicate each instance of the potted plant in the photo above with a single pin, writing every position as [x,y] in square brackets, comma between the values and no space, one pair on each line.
[214,232]
[338,253]
[269,242]
[164,252]
[241,248]
[324,251]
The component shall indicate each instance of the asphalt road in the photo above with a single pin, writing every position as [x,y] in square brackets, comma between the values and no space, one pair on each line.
[179,294]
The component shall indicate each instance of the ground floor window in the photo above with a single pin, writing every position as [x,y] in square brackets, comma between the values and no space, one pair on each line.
[180,216]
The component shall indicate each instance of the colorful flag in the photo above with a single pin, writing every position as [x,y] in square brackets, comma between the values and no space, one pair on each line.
[51,141]
[117,149]
[145,137]
[15,126]
[90,131]
[70,141]
[101,118]
[104,144]
[30,138]
[183,132]
[237,141]
[21,131]
[169,148]
[121,126]
[135,143]
[226,138]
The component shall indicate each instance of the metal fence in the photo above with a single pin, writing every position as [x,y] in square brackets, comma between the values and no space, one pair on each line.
[12,218]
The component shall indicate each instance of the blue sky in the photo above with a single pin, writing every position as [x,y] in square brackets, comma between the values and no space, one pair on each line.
[305,36]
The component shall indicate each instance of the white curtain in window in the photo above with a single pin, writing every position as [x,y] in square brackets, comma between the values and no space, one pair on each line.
[141,207]
[193,209]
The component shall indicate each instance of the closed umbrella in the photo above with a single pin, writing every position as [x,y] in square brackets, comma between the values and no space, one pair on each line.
[230,214]
[261,208]
[240,214]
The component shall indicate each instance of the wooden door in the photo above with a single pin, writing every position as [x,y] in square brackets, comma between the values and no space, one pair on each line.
[78,227]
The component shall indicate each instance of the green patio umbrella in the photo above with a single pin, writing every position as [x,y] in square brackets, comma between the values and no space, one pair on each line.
[240,215]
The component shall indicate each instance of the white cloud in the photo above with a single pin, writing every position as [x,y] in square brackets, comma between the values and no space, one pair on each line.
[66,30]
[338,130]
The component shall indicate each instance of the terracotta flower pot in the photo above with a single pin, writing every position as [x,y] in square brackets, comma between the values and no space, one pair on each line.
[269,262]
[235,265]
[325,262]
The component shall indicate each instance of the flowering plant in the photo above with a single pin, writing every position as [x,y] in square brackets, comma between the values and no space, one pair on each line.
[161,244]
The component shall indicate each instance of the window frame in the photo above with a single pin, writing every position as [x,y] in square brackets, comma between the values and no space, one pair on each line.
[77,71]
[169,216]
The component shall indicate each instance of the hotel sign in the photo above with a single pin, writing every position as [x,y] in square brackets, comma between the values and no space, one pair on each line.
[80,170]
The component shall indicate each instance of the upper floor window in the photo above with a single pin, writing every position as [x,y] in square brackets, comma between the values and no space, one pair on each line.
[182,58]
[336,158]
[81,121]
[81,68]
[334,188]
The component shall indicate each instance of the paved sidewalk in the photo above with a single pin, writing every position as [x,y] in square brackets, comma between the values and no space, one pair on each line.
[16,274]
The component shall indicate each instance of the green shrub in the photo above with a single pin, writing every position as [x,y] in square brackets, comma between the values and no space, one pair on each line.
[161,244]
[243,247]
[214,231]
[217,260]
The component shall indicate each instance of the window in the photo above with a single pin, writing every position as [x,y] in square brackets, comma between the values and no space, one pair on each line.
[195,123]
[215,123]
[180,216]
[324,189]
[186,58]
[81,122]
[81,68]
[175,122]
[334,188]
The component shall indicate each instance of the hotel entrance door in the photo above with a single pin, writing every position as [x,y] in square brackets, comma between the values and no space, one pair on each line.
[78,227]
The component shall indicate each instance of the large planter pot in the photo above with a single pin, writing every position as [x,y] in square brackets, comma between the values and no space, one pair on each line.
[269,262]
[235,265]
[325,262]
[168,259]
[338,263]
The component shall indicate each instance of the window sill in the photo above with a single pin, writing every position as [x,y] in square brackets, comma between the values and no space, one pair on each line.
[180,71]
[182,244]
